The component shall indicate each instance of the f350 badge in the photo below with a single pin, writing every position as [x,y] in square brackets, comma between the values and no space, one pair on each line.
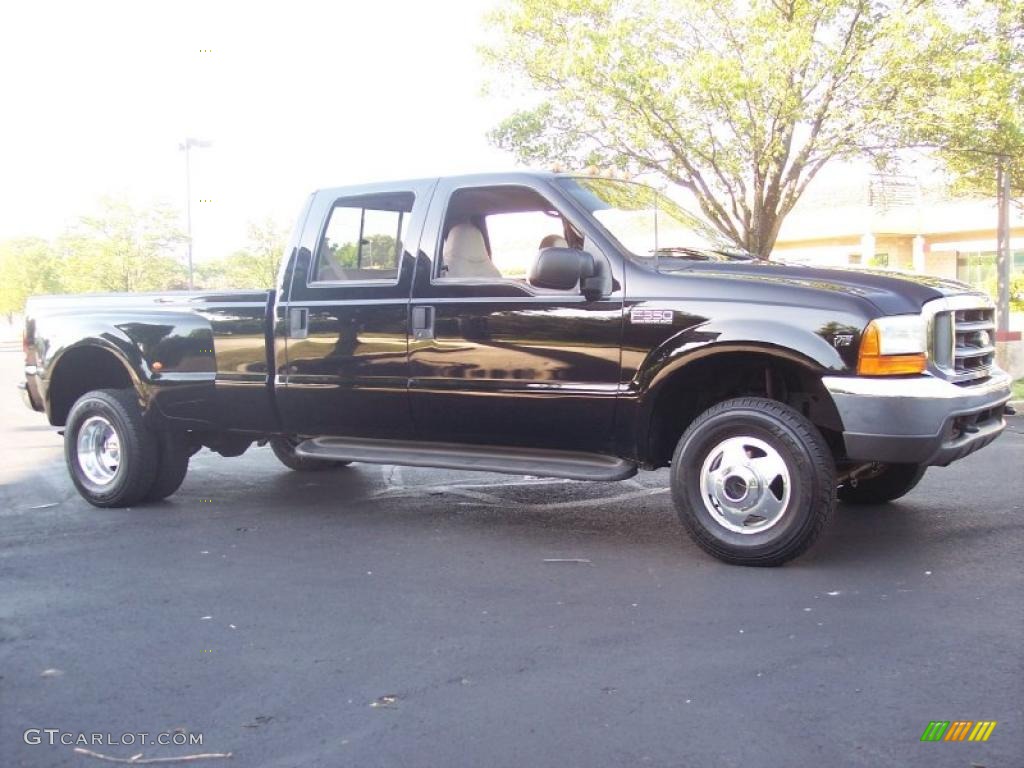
[651,316]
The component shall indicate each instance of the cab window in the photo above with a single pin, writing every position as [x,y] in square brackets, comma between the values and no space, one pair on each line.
[495,233]
[363,239]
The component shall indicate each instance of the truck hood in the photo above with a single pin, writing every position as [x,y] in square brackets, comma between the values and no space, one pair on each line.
[891,291]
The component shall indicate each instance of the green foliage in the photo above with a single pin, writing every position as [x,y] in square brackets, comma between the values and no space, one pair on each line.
[345,255]
[28,266]
[254,266]
[976,83]
[379,252]
[124,248]
[1016,291]
[740,102]
[128,248]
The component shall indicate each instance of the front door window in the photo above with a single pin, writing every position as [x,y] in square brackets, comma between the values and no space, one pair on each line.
[496,233]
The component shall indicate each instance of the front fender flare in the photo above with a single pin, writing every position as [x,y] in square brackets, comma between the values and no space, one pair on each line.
[773,339]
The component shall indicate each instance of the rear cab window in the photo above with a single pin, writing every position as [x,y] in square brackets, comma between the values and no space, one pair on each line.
[363,240]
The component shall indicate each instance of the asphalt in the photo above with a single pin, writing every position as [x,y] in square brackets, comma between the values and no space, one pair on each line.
[377,616]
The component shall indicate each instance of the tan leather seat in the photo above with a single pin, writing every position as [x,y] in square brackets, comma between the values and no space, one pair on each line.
[465,254]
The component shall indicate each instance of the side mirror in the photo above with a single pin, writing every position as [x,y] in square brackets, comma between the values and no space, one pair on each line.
[563,269]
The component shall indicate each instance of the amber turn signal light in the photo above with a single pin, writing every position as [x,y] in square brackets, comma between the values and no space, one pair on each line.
[871,362]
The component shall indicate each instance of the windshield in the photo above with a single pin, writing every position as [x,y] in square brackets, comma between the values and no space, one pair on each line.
[648,224]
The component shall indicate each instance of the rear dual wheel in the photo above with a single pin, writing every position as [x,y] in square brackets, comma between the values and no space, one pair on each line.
[170,474]
[885,482]
[114,458]
[753,481]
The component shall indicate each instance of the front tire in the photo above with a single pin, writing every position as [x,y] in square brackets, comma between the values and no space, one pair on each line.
[753,481]
[111,455]
[888,484]
[284,449]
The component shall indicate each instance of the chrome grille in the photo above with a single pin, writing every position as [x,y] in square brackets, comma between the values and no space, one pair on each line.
[962,341]
[974,331]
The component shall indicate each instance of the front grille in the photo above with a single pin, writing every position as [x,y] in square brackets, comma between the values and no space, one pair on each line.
[974,330]
[963,346]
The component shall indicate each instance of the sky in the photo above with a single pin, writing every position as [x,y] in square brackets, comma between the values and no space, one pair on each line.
[294,96]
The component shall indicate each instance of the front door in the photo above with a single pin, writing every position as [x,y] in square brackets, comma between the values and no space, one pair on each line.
[346,314]
[493,359]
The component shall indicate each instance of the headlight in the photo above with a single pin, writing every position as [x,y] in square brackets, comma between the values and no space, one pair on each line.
[891,346]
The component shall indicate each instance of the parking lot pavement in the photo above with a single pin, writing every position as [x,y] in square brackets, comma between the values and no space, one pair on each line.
[391,616]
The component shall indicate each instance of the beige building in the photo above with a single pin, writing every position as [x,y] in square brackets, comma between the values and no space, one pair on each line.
[891,222]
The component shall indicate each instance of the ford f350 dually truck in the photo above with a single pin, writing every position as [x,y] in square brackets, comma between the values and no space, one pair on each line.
[536,324]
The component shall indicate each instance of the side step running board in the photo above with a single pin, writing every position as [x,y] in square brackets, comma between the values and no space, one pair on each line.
[482,458]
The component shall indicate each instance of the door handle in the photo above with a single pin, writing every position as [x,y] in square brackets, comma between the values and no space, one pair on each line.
[298,322]
[422,323]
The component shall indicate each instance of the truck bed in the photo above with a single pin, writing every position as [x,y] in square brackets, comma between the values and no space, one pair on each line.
[203,356]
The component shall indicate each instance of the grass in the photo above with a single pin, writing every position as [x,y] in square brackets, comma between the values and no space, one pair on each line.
[1018,389]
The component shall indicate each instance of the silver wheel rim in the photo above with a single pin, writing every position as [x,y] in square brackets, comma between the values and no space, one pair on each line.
[745,485]
[99,451]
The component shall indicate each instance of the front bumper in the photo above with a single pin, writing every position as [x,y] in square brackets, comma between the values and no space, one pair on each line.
[918,419]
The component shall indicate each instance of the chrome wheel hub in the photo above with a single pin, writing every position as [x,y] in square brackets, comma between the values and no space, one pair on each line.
[745,485]
[99,451]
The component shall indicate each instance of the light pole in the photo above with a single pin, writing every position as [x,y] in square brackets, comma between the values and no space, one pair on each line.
[1003,257]
[185,147]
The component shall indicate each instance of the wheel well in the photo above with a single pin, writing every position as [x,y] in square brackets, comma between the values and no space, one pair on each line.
[82,370]
[701,384]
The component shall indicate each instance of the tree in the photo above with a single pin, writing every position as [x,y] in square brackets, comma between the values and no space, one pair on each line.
[125,248]
[254,266]
[978,95]
[28,266]
[377,251]
[740,102]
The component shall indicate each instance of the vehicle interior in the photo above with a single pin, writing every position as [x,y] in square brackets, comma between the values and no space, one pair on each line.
[497,233]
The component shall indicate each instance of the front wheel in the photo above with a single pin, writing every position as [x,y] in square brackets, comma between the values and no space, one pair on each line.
[284,449]
[753,482]
[887,482]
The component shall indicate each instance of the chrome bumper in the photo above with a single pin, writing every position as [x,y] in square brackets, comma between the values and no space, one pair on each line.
[919,419]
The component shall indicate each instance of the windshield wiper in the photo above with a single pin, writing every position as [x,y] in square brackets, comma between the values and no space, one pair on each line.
[678,251]
[702,254]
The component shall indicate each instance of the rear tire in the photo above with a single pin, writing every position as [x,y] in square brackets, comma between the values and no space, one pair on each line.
[284,449]
[111,454]
[753,482]
[894,481]
[174,456]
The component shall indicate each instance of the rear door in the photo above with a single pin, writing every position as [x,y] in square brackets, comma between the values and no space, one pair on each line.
[494,360]
[346,314]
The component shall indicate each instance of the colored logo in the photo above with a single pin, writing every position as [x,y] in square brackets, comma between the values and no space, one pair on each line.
[958,730]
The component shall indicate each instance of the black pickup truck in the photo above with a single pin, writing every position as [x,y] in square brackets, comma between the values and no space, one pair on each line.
[535,324]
